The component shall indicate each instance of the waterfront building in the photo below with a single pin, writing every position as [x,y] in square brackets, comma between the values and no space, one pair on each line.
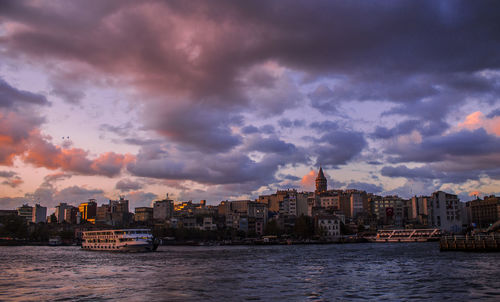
[419,210]
[70,214]
[390,210]
[257,217]
[288,207]
[184,208]
[103,214]
[25,211]
[8,212]
[484,213]
[327,226]
[88,211]
[356,204]
[302,203]
[120,215]
[163,209]
[60,211]
[445,212]
[330,201]
[144,215]
[188,222]
[208,224]
[273,200]
[39,214]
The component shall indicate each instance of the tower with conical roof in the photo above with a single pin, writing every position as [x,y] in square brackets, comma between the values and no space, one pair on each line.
[321,185]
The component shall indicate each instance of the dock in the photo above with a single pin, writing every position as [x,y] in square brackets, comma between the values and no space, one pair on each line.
[477,243]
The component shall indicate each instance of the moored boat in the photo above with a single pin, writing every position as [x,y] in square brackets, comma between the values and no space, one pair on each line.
[124,240]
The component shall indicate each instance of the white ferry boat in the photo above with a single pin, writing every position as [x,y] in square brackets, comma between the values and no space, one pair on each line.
[125,240]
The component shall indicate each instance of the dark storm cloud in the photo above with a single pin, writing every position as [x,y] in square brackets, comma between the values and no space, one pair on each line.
[415,173]
[439,148]
[402,38]
[249,129]
[324,126]
[270,145]
[432,173]
[287,123]
[229,168]
[368,187]
[289,177]
[126,185]
[7,174]
[424,127]
[195,125]
[12,179]
[11,96]
[205,65]
[338,147]
[494,113]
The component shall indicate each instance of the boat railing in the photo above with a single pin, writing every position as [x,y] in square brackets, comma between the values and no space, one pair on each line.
[472,237]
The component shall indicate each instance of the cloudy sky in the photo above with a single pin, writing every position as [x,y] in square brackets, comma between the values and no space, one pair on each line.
[228,99]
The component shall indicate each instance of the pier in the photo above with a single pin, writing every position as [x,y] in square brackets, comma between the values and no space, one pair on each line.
[478,243]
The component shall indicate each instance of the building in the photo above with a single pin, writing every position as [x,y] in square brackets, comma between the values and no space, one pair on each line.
[120,215]
[208,224]
[321,182]
[273,200]
[484,213]
[8,212]
[302,203]
[70,215]
[103,215]
[390,210]
[257,217]
[330,201]
[288,207]
[445,212]
[88,211]
[39,214]
[60,211]
[419,210]
[356,204]
[327,226]
[144,215]
[26,212]
[163,209]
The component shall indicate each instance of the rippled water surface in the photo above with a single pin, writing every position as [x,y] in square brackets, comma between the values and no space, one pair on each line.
[414,271]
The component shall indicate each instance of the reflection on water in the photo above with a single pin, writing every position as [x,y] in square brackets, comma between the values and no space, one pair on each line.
[413,271]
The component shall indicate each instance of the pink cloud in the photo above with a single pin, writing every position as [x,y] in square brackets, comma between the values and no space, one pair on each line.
[308,180]
[44,154]
[477,120]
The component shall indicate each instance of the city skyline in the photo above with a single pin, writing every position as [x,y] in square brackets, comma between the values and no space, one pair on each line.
[221,100]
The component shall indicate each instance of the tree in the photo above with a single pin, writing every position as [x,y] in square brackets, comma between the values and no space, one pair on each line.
[272,228]
[304,227]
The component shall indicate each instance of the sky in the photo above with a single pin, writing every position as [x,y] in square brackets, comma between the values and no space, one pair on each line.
[225,100]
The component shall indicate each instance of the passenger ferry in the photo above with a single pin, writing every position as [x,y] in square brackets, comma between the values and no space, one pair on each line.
[125,240]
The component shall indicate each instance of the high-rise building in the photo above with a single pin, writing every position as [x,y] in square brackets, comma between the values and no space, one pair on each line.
[120,215]
[39,214]
[60,211]
[445,210]
[485,212]
[88,210]
[321,182]
[163,209]
[26,212]
[144,215]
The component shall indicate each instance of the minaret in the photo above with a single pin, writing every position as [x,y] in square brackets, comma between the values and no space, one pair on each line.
[321,185]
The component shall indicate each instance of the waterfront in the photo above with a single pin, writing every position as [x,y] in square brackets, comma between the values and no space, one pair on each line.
[405,271]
